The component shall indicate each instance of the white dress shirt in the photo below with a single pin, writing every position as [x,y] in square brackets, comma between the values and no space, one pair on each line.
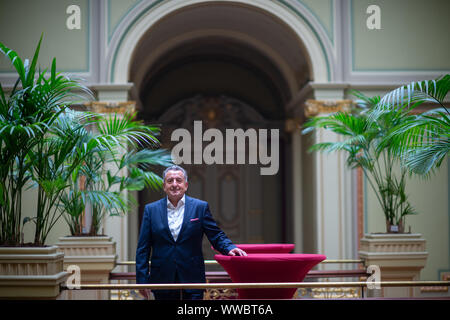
[175,217]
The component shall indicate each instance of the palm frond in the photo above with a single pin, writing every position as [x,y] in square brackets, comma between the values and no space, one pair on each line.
[146,157]
[365,101]
[147,179]
[108,200]
[121,131]
[16,61]
[341,123]
[425,159]
[433,91]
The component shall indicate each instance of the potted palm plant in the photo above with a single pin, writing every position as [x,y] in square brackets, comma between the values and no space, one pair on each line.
[399,255]
[44,144]
[98,181]
[422,142]
[27,117]
[99,184]
[363,133]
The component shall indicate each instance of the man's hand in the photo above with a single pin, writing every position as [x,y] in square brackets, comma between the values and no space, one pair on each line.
[237,252]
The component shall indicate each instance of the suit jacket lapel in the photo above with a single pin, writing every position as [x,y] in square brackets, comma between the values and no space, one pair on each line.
[164,218]
[187,214]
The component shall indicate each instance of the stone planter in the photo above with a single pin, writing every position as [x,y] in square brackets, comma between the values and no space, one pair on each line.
[31,272]
[96,257]
[400,257]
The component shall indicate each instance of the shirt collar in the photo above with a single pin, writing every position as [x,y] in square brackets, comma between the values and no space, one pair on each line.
[179,204]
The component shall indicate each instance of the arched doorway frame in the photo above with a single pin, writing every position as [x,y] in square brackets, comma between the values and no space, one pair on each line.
[318,48]
[313,43]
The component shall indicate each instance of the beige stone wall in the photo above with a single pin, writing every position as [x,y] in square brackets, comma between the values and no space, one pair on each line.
[23,22]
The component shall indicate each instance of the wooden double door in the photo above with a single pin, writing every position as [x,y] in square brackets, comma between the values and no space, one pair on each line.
[247,206]
[235,197]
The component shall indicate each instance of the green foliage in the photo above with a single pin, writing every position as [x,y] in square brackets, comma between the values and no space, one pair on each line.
[388,131]
[112,146]
[421,141]
[362,134]
[65,154]
[27,114]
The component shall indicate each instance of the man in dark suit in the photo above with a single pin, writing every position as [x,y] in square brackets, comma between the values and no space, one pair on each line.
[172,229]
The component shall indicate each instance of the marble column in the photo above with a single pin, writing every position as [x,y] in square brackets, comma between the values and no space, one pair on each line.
[334,186]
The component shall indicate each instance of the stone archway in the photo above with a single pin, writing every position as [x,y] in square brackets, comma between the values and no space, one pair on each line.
[309,39]
[276,50]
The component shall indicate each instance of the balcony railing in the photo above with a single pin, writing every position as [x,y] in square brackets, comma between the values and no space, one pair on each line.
[218,284]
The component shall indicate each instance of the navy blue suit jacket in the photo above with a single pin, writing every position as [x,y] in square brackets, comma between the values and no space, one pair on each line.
[183,256]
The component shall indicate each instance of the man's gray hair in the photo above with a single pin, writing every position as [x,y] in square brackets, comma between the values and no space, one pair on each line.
[175,168]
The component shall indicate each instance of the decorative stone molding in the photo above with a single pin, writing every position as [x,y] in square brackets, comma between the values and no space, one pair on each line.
[96,258]
[381,243]
[293,124]
[315,107]
[400,257]
[111,107]
[31,272]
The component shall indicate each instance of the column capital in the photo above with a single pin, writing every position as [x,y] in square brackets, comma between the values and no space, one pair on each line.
[293,124]
[315,107]
[111,107]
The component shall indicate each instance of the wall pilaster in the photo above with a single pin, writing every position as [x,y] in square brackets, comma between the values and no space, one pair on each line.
[335,208]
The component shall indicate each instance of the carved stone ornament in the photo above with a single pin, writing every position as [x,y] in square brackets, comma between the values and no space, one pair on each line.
[293,124]
[111,107]
[315,107]
[218,112]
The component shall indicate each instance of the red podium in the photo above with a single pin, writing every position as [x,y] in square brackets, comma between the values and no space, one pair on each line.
[268,267]
[267,247]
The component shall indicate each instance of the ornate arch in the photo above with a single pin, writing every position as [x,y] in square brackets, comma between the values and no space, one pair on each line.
[145,16]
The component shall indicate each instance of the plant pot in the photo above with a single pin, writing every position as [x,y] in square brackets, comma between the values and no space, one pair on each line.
[31,272]
[393,228]
[95,256]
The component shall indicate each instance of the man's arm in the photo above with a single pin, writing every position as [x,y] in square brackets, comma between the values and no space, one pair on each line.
[217,237]
[144,248]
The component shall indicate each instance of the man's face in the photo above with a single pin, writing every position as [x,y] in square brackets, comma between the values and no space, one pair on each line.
[175,185]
